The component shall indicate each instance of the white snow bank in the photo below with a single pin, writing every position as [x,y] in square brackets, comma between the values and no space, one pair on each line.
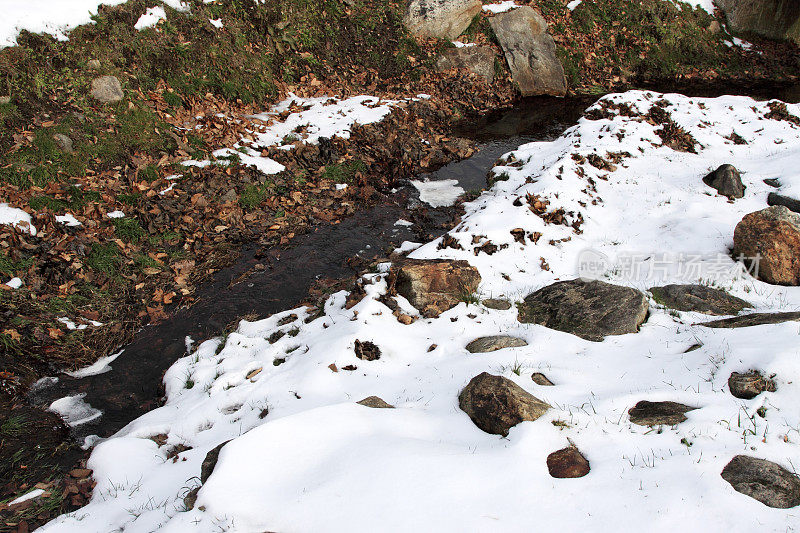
[304,457]
[101,366]
[74,410]
[150,18]
[53,17]
[16,217]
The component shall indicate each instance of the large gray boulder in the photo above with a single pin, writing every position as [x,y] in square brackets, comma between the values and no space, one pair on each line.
[441,19]
[589,309]
[776,19]
[698,298]
[763,480]
[496,404]
[530,52]
[476,59]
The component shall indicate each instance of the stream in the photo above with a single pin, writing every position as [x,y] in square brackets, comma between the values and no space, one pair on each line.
[265,281]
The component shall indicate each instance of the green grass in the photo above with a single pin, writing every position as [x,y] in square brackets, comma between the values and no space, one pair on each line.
[128,229]
[344,172]
[104,258]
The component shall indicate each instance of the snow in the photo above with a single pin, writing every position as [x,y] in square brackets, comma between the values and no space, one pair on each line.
[101,366]
[575,3]
[74,410]
[501,7]
[459,44]
[305,457]
[115,214]
[217,23]
[53,17]
[151,17]
[708,5]
[35,493]
[14,283]
[438,193]
[68,220]
[13,216]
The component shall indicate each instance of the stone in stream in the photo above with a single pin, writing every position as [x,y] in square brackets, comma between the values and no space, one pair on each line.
[753,319]
[441,19]
[494,343]
[107,89]
[530,52]
[775,19]
[589,309]
[375,402]
[496,404]
[541,379]
[698,298]
[435,286]
[499,305]
[763,480]
[773,236]
[748,385]
[476,59]
[647,413]
[791,204]
[727,181]
[567,463]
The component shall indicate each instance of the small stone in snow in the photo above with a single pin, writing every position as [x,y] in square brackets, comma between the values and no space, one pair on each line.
[375,403]
[567,463]
[748,385]
[494,343]
[541,379]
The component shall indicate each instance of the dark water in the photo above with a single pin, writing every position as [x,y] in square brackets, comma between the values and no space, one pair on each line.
[133,385]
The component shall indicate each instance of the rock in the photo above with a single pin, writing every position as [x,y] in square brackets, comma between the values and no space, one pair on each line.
[727,181]
[773,182]
[375,403]
[500,305]
[588,309]
[494,343]
[435,286]
[567,463]
[230,197]
[63,142]
[541,379]
[530,52]
[476,59]
[5,100]
[749,384]
[778,199]
[93,64]
[772,235]
[763,480]
[753,319]
[107,89]
[658,413]
[776,19]
[210,462]
[698,298]
[715,27]
[367,351]
[441,19]
[496,404]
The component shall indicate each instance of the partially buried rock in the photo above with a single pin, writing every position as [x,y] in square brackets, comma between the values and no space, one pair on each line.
[698,298]
[107,89]
[63,142]
[763,480]
[753,319]
[440,19]
[476,59]
[499,305]
[435,286]
[375,403]
[493,343]
[588,309]
[210,462]
[792,204]
[530,52]
[748,385]
[567,463]
[367,351]
[727,181]
[769,242]
[541,379]
[496,404]
[659,413]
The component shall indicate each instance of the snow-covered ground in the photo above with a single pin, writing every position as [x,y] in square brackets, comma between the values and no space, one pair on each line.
[305,457]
